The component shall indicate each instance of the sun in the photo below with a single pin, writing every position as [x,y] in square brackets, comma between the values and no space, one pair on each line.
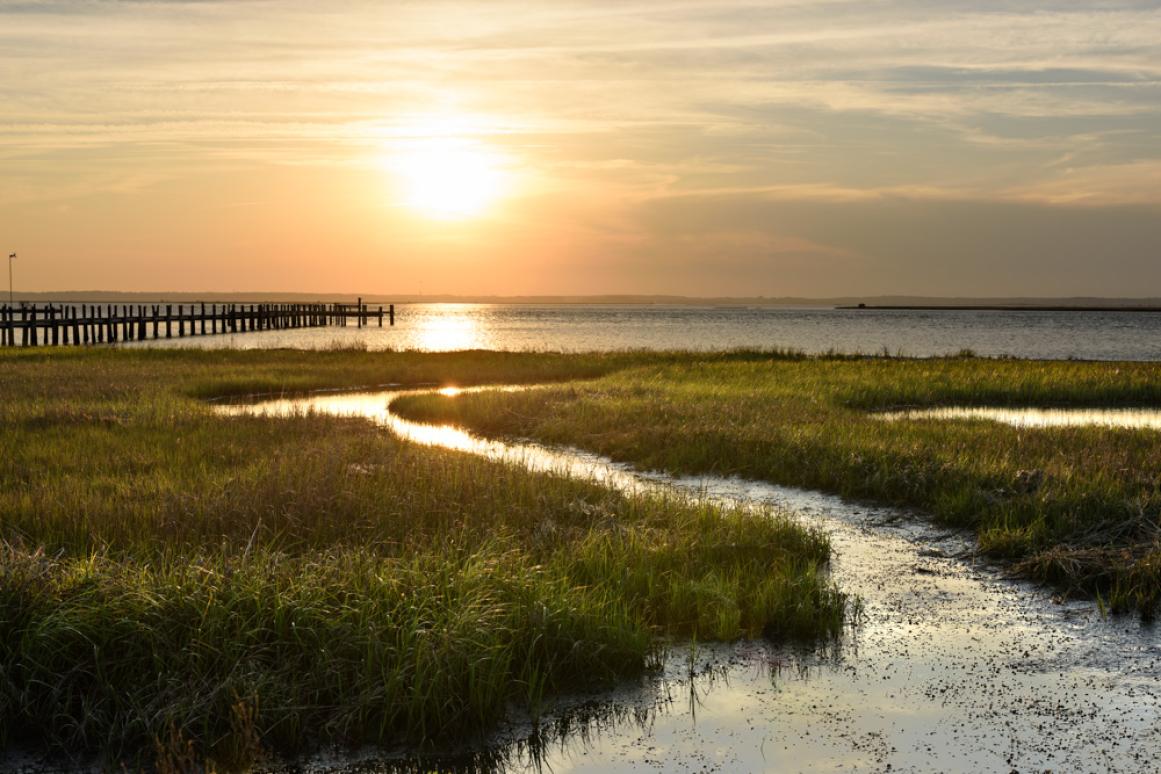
[448,178]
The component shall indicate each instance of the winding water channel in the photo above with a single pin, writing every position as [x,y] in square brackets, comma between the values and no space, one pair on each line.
[952,668]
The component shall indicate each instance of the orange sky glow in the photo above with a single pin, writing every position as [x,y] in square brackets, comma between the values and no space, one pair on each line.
[653,146]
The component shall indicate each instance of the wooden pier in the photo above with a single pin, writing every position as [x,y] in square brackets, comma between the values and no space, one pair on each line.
[78,324]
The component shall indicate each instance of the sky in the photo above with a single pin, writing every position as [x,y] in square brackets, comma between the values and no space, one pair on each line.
[818,148]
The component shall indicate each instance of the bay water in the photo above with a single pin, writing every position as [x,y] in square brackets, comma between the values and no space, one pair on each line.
[604,327]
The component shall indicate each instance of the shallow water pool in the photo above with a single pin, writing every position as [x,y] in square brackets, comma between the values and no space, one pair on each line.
[1149,418]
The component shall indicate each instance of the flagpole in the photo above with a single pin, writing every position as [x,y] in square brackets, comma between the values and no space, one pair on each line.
[10,257]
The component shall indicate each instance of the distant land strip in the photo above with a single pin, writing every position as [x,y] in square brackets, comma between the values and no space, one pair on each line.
[1053,303]
[999,308]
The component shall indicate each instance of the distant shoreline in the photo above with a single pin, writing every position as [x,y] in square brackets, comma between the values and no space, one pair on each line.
[882,302]
[996,308]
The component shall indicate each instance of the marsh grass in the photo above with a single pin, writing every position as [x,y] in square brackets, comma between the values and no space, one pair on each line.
[1077,506]
[179,588]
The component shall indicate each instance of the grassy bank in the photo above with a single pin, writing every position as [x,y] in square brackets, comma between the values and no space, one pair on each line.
[1077,507]
[177,586]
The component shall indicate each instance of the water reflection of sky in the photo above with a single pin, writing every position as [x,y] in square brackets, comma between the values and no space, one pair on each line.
[1039,417]
[953,668]
[376,407]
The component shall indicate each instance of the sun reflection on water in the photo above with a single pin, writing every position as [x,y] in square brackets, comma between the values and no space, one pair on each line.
[375,406]
[451,328]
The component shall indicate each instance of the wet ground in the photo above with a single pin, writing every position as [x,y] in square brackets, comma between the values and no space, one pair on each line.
[952,667]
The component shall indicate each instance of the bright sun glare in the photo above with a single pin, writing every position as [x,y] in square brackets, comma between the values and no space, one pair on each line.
[449,178]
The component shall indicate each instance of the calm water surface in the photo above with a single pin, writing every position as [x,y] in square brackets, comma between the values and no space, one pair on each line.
[571,328]
[1147,419]
[952,668]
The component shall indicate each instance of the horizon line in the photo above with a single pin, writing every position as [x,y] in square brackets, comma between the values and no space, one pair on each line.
[590,298]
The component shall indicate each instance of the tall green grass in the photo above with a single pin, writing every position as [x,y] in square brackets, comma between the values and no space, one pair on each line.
[178,587]
[1089,525]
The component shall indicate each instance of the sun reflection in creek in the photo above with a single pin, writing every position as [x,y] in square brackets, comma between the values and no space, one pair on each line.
[373,406]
